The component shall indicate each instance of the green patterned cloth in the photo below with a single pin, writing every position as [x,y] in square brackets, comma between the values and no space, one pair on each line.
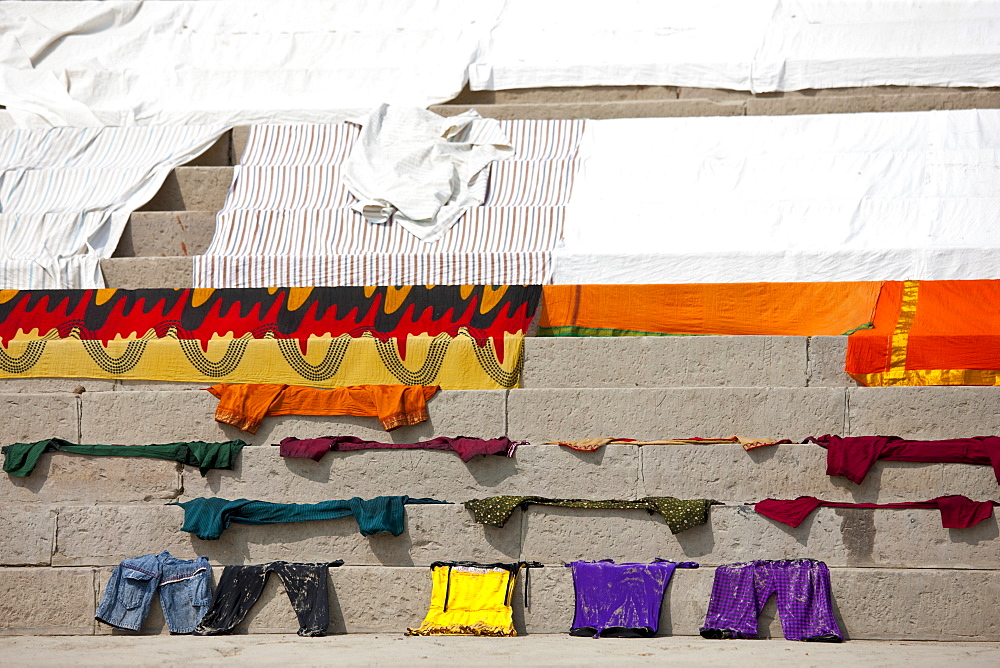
[20,458]
[680,514]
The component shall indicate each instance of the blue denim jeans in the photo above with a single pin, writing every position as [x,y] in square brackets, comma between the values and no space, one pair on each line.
[184,585]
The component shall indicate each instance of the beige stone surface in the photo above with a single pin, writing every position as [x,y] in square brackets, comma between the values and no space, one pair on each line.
[929,101]
[730,474]
[599,110]
[218,154]
[169,416]
[63,476]
[192,189]
[566,94]
[241,134]
[46,601]
[262,473]
[29,533]
[139,273]
[869,603]
[431,530]
[534,650]
[32,417]
[166,234]
[54,385]
[826,362]
[885,538]
[648,413]
[665,361]
[924,412]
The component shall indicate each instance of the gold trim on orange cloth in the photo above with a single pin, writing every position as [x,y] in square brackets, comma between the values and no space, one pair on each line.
[390,422]
[238,421]
[929,377]
[901,334]
[898,374]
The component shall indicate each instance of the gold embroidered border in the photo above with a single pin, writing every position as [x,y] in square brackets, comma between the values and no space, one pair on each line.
[901,334]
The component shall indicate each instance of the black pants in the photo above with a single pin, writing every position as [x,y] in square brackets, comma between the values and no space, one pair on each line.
[241,586]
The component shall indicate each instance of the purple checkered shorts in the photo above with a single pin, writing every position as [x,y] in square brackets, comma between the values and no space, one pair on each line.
[802,587]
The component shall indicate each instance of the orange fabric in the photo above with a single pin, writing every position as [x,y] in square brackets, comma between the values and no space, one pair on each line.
[790,309]
[930,333]
[246,406]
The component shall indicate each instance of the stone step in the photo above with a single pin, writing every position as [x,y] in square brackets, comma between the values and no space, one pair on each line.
[685,361]
[722,472]
[142,413]
[869,603]
[65,535]
[539,415]
[192,189]
[166,234]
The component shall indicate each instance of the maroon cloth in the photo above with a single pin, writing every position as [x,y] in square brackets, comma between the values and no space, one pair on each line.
[853,456]
[957,512]
[466,447]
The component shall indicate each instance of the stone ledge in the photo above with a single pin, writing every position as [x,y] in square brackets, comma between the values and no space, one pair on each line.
[166,234]
[549,469]
[30,417]
[192,189]
[665,361]
[169,416]
[65,477]
[869,604]
[47,601]
[431,530]
[924,412]
[652,413]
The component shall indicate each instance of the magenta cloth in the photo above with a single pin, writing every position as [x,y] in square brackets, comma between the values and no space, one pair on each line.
[853,456]
[957,512]
[466,447]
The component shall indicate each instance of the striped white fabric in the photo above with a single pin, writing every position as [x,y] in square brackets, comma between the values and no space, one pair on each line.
[66,195]
[286,220]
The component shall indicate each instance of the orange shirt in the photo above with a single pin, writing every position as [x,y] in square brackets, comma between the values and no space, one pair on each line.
[246,406]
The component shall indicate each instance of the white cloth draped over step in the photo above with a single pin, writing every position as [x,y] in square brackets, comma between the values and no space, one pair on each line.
[414,168]
[322,61]
[236,61]
[836,197]
[66,195]
[288,220]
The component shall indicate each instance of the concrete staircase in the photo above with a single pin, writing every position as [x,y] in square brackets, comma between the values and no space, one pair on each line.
[896,573]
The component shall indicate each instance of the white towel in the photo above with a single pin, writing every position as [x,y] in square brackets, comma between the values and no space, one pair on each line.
[422,170]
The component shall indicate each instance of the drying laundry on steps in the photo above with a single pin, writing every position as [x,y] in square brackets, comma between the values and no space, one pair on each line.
[307,587]
[620,600]
[470,598]
[207,518]
[20,458]
[464,446]
[184,585]
[246,406]
[586,444]
[802,591]
[957,511]
[679,514]
[854,456]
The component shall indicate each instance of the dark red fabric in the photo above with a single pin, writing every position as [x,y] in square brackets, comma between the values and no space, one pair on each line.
[957,512]
[853,456]
[466,447]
